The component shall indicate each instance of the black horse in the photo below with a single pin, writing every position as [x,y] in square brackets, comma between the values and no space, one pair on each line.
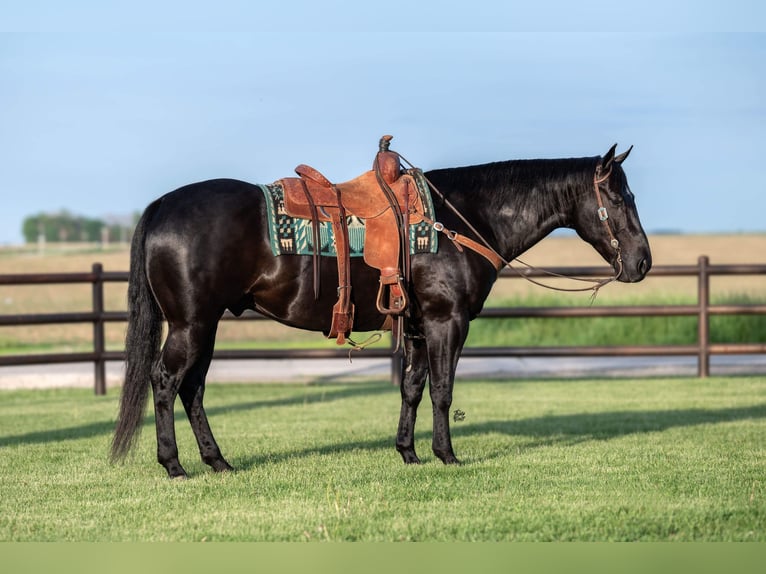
[204,248]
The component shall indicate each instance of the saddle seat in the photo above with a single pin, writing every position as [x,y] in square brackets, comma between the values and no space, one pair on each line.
[360,196]
[387,200]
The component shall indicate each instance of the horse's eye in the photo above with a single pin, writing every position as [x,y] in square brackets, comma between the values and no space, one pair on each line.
[617,199]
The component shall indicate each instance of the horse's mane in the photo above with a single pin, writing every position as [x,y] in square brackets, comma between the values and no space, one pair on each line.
[539,184]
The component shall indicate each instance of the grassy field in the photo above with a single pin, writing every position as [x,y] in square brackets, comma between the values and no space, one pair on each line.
[553,251]
[649,460]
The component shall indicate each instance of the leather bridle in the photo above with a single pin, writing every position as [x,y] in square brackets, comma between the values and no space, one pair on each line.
[603,215]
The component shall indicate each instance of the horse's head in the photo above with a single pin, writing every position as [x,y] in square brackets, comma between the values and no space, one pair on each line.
[607,219]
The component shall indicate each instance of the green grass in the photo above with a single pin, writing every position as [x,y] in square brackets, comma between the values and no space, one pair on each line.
[610,331]
[662,459]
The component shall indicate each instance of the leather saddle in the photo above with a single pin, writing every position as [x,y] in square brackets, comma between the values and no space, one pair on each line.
[388,201]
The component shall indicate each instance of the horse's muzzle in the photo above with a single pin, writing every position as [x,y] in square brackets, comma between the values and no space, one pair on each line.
[635,271]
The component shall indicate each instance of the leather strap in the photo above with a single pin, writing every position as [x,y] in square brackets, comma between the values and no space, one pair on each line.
[603,215]
[343,313]
[485,252]
[316,238]
[461,240]
[400,216]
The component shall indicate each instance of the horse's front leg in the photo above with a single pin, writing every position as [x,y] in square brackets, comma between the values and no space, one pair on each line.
[445,341]
[413,383]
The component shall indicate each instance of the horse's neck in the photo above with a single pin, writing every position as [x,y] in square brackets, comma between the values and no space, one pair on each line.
[514,218]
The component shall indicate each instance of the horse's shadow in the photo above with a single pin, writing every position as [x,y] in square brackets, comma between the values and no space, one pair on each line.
[320,396]
[101,428]
[570,429]
[543,431]
[88,430]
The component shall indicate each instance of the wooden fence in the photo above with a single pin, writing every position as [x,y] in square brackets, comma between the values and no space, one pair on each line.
[703,310]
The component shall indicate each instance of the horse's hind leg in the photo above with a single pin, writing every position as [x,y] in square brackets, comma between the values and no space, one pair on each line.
[165,384]
[186,349]
[413,383]
[192,392]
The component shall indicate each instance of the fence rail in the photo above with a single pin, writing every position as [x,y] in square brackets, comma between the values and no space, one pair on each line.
[703,310]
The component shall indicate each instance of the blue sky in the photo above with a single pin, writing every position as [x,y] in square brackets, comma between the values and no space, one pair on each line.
[106,106]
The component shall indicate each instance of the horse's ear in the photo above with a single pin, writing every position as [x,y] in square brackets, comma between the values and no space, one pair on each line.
[622,157]
[607,160]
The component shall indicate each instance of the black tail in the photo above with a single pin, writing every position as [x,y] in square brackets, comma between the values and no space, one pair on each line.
[142,344]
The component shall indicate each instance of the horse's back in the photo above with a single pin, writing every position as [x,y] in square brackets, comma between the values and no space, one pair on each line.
[216,202]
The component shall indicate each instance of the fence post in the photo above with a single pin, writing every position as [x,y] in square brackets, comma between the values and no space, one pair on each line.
[703,321]
[99,346]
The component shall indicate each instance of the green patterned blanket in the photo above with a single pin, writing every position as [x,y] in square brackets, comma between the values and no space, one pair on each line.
[293,236]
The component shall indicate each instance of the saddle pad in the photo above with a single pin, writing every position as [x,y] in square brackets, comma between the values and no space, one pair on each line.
[293,236]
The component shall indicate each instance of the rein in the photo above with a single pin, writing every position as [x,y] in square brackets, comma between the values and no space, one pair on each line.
[500,262]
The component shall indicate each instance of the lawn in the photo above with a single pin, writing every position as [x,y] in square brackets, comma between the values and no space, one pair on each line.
[583,460]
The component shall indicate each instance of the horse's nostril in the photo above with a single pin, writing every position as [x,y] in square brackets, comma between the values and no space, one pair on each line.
[643,266]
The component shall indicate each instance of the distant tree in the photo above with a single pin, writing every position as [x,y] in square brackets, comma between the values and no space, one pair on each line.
[61,226]
[29,229]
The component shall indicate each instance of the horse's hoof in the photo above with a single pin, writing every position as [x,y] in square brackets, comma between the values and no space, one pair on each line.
[409,457]
[178,477]
[175,471]
[222,466]
[448,458]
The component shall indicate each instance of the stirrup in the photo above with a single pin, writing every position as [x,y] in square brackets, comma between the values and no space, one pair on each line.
[392,286]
